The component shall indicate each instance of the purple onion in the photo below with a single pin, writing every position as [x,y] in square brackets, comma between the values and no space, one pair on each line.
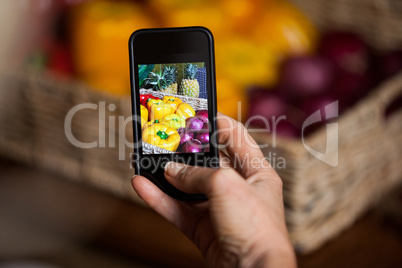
[185,135]
[203,115]
[318,103]
[305,76]
[193,146]
[286,129]
[266,105]
[194,123]
[347,50]
[202,136]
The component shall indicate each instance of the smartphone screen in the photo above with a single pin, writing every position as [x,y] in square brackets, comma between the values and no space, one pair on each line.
[172,73]
[174,108]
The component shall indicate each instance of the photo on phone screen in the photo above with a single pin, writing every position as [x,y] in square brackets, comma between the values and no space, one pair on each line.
[174,108]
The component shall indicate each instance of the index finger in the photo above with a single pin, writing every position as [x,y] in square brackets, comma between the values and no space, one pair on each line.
[244,152]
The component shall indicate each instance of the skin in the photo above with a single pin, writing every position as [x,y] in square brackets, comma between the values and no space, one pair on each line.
[242,224]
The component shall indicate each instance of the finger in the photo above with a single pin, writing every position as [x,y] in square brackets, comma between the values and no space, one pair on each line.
[224,160]
[241,147]
[171,209]
[199,180]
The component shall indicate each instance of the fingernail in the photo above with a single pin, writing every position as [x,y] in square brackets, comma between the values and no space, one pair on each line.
[166,165]
[173,168]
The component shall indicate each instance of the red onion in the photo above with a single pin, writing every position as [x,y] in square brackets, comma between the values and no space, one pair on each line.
[203,115]
[319,103]
[193,146]
[194,123]
[266,105]
[347,50]
[305,76]
[185,135]
[202,136]
[286,129]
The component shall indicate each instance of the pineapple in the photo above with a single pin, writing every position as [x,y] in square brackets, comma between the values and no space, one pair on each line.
[164,80]
[189,85]
[170,73]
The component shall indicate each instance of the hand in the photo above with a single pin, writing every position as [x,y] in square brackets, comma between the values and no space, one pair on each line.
[242,224]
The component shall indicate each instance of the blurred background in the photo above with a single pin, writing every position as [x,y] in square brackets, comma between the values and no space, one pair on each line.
[62,206]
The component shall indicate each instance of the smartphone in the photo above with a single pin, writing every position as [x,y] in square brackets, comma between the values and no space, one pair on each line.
[173,93]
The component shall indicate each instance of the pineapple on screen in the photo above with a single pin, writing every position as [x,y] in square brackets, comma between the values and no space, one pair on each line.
[164,80]
[189,85]
[170,73]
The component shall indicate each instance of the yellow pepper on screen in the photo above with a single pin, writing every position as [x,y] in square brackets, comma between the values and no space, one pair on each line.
[159,110]
[144,115]
[149,123]
[174,121]
[172,101]
[185,110]
[153,101]
[162,136]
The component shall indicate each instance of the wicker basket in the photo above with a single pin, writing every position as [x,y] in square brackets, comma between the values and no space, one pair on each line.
[195,103]
[321,200]
[32,113]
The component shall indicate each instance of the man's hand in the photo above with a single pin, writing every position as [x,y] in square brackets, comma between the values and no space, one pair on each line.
[242,223]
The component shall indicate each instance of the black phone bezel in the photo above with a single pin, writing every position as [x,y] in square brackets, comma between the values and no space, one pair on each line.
[184,44]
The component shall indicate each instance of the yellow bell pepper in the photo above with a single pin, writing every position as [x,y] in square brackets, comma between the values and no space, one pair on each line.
[99,33]
[174,121]
[144,115]
[185,111]
[287,28]
[172,101]
[162,136]
[153,101]
[159,110]
[246,62]
[149,123]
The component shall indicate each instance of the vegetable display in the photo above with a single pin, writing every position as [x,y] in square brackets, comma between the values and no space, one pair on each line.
[174,125]
[260,45]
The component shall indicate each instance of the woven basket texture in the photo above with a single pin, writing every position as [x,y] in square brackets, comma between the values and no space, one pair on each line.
[320,200]
[33,109]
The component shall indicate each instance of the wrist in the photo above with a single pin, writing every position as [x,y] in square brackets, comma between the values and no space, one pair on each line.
[275,257]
